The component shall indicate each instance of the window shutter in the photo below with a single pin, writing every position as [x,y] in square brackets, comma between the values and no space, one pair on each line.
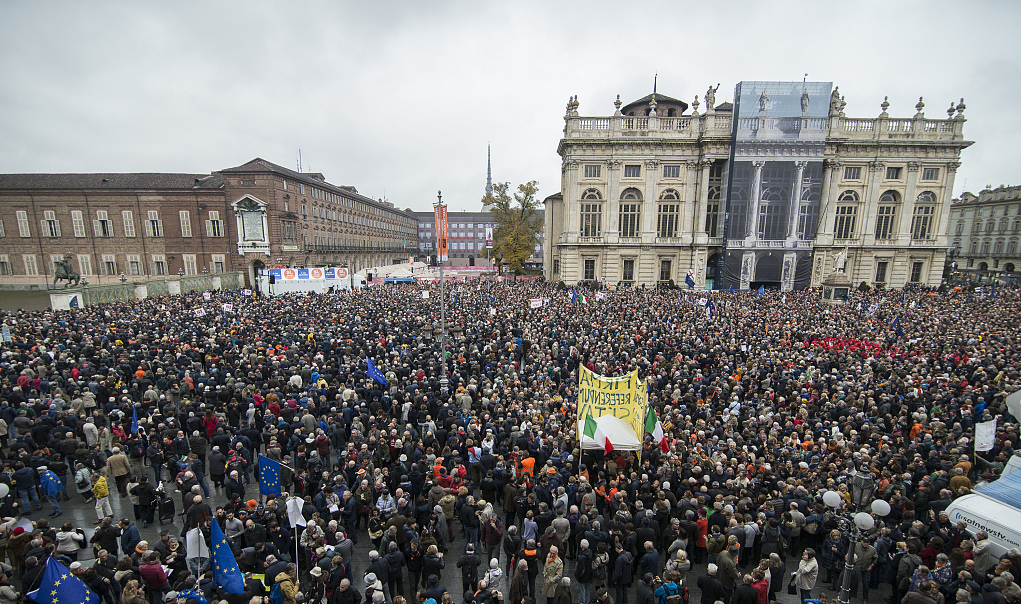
[56,227]
[209,228]
[44,227]
[97,228]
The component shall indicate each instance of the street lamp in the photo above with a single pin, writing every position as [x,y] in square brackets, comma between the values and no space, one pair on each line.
[862,486]
[444,382]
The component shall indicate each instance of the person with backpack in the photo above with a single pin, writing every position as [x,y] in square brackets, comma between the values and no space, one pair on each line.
[285,586]
[669,590]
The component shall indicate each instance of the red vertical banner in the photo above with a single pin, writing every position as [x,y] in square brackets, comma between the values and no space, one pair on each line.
[441,231]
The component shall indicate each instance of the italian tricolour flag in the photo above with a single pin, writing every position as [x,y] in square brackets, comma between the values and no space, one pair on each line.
[593,431]
[655,428]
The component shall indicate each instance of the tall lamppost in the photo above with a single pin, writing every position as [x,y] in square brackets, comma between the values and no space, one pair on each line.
[444,382]
[862,485]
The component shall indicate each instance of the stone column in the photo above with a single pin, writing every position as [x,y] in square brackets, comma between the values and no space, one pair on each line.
[571,197]
[828,198]
[756,194]
[612,201]
[691,206]
[907,207]
[792,227]
[649,204]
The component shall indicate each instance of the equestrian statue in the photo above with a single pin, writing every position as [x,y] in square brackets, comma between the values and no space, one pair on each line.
[65,271]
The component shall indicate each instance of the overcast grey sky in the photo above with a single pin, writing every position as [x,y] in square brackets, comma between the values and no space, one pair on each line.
[400,98]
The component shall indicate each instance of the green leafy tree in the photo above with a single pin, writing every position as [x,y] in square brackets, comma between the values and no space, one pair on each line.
[517,221]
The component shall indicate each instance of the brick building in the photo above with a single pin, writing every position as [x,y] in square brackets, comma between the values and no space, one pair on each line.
[151,224]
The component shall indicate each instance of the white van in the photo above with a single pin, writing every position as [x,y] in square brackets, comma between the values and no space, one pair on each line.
[981,513]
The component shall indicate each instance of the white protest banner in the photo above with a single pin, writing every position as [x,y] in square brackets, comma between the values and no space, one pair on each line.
[294,505]
[425,295]
[228,307]
[195,545]
[985,433]
[206,296]
[535,303]
[200,312]
[246,292]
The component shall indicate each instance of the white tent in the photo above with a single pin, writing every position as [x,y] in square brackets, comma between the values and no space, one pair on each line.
[1014,404]
[621,434]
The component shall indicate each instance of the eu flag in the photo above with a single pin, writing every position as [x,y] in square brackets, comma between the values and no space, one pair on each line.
[51,484]
[59,585]
[896,327]
[226,573]
[375,374]
[269,476]
[134,420]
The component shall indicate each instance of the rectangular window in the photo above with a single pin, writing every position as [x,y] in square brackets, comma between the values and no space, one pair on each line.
[916,272]
[78,223]
[154,224]
[185,217]
[591,219]
[304,211]
[921,222]
[852,173]
[930,173]
[959,229]
[671,171]
[190,266]
[3,233]
[214,226]
[159,265]
[23,229]
[629,219]
[1012,247]
[134,265]
[50,224]
[129,223]
[665,274]
[289,232]
[884,222]
[881,272]
[998,247]
[101,226]
[54,259]
[248,182]
[632,171]
[893,173]
[590,269]
[219,263]
[31,269]
[5,265]
[109,265]
[843,224]
[85,265]
[628,272]
[592,171]
[666,222]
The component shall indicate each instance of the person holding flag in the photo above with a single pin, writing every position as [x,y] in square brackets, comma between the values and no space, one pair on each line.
[52,487]
[59,584]
[690,278]
[226,574]
[593,431]
[896,327]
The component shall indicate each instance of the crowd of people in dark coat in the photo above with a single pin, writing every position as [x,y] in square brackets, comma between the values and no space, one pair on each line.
[767,401]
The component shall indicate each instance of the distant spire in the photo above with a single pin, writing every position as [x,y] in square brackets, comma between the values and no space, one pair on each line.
[489,169]
[654,79]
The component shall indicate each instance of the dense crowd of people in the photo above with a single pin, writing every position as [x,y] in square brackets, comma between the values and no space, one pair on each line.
[767,401]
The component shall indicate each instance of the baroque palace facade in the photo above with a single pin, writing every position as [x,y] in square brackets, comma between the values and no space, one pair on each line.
[246,218]
[779,189]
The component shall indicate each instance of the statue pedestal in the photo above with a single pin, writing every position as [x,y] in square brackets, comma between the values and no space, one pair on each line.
[216,282]
[66,300]
[174,287]
[836,288]
[141,290]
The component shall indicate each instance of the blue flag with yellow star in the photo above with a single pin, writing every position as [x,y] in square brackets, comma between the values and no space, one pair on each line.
[375,373]
[134,420]
[226,573]
[58,585]
[269,476]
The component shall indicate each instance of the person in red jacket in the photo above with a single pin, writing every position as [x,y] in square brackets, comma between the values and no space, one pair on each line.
[154,577]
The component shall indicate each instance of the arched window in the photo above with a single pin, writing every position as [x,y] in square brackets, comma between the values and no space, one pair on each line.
[591,213]
[591,194]
[926,197]
[631,194]
[889,197]
[848,197]
[669,194]
[629,218]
